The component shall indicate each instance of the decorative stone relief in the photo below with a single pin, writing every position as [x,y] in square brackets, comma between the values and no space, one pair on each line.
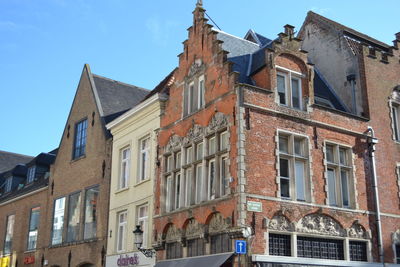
[220,120]
[173,234]
[320,224]
[193,229]
[174,142]
[218,224]
[357,231]
[396,237]
[280,223]
[195,68]
[194,133]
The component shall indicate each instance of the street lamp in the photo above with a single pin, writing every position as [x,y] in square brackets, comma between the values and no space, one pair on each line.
[139,241]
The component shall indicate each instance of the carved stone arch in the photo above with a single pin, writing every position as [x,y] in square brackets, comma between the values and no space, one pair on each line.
[357,231]
[193,229]
[396,237]
[172,234]
[217,223]
[280,223]
[320,224]
[194,133]
[297,60]
[174,142]
[218,121]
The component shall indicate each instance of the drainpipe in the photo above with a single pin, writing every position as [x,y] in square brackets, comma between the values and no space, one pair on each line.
[372,141]
[352,79]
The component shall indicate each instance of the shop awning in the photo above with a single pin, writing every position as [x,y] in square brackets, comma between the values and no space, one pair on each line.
[215,260]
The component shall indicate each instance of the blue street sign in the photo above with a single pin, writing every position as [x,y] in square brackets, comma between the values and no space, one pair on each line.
[240,247]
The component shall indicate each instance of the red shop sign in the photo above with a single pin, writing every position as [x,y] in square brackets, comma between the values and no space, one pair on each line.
[29,260]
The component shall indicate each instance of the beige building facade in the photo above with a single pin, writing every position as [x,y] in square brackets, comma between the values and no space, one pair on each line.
[132,182]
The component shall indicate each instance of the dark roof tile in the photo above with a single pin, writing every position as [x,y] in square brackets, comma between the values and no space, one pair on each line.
[9,160]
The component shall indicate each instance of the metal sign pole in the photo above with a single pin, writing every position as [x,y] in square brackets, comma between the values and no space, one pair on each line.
[239,259]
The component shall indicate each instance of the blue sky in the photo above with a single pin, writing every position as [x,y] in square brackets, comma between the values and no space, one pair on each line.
[45,43]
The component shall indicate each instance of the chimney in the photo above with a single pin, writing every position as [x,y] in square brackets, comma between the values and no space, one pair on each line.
[289,29]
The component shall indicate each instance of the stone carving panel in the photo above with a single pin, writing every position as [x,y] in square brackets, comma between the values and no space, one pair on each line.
[320,224]
[174,143]
[196,132]
[280,223]
[193,229]
[173,234]
[218,224]
[357,231]
[196,67]
[220,120]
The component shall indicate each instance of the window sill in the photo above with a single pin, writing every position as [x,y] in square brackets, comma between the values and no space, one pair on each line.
[30,251]
[121,190]
[72,243]
[78,158]
[141,182]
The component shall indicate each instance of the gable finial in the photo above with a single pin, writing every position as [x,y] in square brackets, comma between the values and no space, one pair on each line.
[199,3]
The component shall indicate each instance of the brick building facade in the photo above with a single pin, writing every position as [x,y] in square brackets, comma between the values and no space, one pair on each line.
[272,141]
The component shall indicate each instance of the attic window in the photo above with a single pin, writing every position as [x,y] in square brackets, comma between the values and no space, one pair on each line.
[289,88]
[194,95]
[8,185]
[31,174]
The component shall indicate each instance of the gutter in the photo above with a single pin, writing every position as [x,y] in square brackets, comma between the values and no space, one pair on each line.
[372,141]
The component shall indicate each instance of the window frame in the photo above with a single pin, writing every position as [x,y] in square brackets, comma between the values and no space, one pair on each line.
[339,168]
[82,134]
[79,223]
[62,221]
[143,176]
[395,112]
[292,158]
[11,236]
[30,174]
[8,184]
[289,76]
[194,95]
[28,248]
[124,233]
[95,187]
[145,220]
[124,164]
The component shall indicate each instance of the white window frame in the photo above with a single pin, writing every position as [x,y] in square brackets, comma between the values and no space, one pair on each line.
[211,184]
[169,188]
[191,100]
[122,225]
[288,76]
[338,167]
[189,182]
[125,164]
[59,213]
[224,179]
[144,174]
[292,158]
[8,185]
[143,221]
[395,113]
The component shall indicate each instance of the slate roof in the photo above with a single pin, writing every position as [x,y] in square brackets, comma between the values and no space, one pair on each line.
[9,160]
[249,57]
[116,97]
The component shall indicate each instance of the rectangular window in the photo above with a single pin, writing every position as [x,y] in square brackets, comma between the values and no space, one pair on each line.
[122,221]
[396,124]
[195,247]
[223,141]
[177,190]
[224,169]
[169,194]
[174,250]
[30,177]
[74,214]
[125,168]
[279,245]
[33,228]
[58,221]
[289,89]
[320,248]
[189,155]
[199,183]
[178,159]
[9,234]
[143,221]
[281,84]
[358,251]
[144,159]
[397,247]
[199,151]
[339,175]
[91,202]
[169,163]
[201,92]
[189,197]
[80,139]
[211,179]
[8,185]
[293,166]
[220,243]
[211,146]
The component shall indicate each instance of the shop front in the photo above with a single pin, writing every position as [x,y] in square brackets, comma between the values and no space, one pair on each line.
[129,260]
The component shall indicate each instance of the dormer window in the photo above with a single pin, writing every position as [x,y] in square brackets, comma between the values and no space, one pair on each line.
[194,95]
[8,185]
[289,88]
[31,174]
